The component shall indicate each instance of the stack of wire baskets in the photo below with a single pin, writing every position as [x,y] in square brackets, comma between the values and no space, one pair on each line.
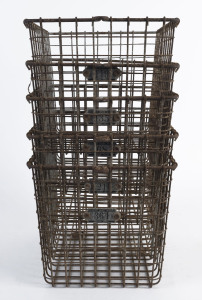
[102,142]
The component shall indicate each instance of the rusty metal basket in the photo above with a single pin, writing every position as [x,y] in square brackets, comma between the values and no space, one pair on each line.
[102,142]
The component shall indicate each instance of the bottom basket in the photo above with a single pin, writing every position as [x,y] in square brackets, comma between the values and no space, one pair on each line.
[90,237]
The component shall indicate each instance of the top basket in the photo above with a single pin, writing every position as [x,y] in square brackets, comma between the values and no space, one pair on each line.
[123,40]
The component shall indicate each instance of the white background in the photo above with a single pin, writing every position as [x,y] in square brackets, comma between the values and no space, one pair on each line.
[20,264]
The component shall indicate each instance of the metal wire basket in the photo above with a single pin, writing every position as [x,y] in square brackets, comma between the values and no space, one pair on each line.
[102,143]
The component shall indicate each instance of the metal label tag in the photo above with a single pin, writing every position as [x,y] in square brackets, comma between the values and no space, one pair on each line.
[103,148]
[103,186]
[101,215]
[101,117]
[101,72]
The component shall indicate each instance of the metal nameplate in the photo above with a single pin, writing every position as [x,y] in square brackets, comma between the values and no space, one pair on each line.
[102,117]
[101,215]
[101,72]
[102,148]
[101,186]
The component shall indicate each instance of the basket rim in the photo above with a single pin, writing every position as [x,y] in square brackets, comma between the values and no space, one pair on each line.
[176,21]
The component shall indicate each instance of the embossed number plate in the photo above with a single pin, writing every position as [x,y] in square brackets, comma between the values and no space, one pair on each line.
[101,215]
[101,72]
[101,117]
[102,186]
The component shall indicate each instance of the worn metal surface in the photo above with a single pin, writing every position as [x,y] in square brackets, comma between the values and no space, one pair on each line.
[102,140]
